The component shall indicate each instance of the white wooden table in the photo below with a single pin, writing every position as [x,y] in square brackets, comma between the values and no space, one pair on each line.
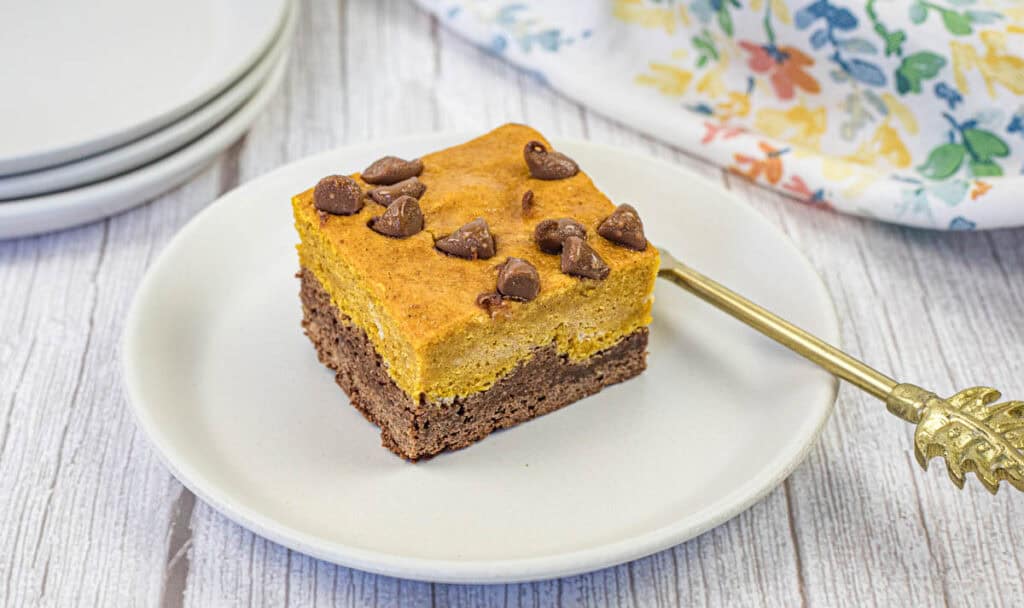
[89,515]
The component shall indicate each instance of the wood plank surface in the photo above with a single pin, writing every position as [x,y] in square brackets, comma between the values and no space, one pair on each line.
[91,517]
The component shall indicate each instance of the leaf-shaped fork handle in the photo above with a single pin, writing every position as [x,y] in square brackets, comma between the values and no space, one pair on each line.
[970,433]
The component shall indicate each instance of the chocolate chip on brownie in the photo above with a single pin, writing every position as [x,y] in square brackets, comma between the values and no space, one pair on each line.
[385,195]
[527,202]
[518,280]
[402,218]
[492,302]
[623,227]
[550,234]
[338,194]
[472,241]
[391,170]
[579,259]
[548,165]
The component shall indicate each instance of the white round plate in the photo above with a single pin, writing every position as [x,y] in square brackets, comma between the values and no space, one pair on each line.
[83,77]
[229,390]
[27,216]
[150,147]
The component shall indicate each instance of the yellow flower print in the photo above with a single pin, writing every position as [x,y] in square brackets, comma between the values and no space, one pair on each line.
[711,83]
[738,106]
[650,16]
[890,146]
[779,9]
[996,65]
[1015,15]
[854,176]
[901,112]
[836,169]
[669,80]
[799,124]
[884,144]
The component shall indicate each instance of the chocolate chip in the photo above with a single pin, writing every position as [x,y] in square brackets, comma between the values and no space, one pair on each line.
[402,218]
[492,302]
[549,234]
[548,165]
[385,195]
[623,227]
[527,202]
[518,280]
[579,259]
[472,241]
[391,170]
[338,194]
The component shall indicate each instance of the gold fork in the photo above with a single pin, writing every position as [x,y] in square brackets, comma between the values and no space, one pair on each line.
[966,429]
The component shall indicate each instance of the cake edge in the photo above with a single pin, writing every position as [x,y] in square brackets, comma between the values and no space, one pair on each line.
[415,429]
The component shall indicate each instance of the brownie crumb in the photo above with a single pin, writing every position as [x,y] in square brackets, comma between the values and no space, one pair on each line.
[492,302]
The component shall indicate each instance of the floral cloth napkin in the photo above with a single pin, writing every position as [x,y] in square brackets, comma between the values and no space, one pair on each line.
[908,111]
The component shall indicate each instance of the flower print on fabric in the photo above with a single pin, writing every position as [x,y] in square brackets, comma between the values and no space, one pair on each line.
[909,112]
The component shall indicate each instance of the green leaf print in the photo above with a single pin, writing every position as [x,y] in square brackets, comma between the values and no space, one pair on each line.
[985,168]
[725,19]
[956,23]
[943,161]
[918,13]
[925,63]
[705,46]
[983,145]
[894,42]
[922,65]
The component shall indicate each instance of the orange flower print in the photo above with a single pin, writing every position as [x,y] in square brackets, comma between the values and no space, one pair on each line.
[798,187]
[979,190]
[785,67]
[770,166]
[711,131]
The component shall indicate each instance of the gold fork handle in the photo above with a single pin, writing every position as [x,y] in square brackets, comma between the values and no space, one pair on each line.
[818,351]
[971,436]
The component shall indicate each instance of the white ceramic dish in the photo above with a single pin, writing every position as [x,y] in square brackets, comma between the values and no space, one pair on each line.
[150,147]
[83,77]
[24,217]
[229,390]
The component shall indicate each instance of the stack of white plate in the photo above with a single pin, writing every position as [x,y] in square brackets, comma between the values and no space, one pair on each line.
[109,103]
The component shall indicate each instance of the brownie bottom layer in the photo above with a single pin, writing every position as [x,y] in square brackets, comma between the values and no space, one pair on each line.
[417,429]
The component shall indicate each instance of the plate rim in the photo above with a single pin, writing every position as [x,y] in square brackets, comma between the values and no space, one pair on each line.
[44,159]
[153,146]
[88,203]
[741,498]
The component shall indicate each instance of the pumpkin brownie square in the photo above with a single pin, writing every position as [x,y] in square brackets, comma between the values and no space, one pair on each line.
[473,289]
